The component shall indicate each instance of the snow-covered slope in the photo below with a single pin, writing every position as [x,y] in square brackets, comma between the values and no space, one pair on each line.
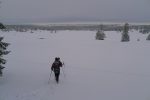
[94,70]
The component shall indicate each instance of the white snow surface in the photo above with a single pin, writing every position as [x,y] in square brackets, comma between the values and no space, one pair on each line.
[94,69]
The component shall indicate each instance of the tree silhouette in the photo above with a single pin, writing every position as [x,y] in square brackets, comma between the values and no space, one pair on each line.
[3,51]
[125,36]
[100,35]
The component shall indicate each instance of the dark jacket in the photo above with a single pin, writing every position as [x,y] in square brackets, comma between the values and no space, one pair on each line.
[56,66]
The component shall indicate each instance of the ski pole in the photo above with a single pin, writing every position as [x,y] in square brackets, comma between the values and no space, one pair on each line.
[63,69]
[63,72]
[64,64]
[50,76]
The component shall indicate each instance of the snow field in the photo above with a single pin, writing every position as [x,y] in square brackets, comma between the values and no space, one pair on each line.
[94,70]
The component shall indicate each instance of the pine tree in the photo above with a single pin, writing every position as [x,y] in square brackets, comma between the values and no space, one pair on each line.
[100,35]
[3,51]
[125,36]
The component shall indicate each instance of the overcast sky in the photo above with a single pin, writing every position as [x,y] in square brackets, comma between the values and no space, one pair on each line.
[74,10]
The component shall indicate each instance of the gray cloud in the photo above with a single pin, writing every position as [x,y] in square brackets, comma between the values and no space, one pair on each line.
[75,10]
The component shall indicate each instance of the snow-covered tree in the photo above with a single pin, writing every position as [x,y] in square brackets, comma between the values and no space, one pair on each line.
[148,37]
[100,35]
[125,35]
[3,51]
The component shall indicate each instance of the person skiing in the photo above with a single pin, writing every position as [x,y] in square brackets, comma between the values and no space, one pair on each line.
[56,68]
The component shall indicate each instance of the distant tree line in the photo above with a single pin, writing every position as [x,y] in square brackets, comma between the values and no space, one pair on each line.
[91,27]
